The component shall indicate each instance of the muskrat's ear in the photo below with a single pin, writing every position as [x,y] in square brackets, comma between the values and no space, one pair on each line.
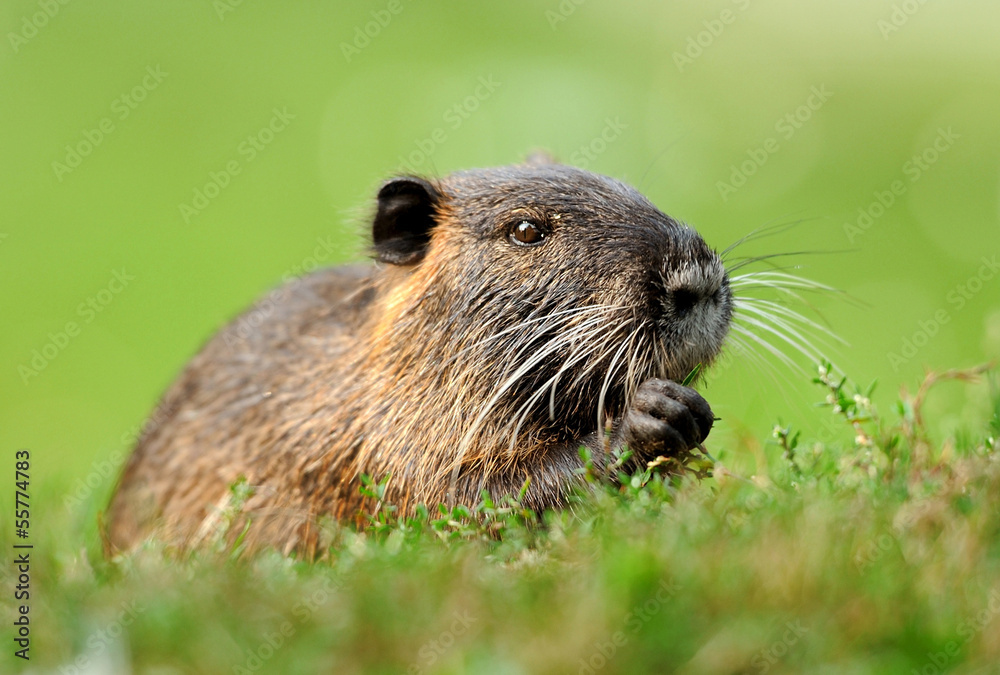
[405,217]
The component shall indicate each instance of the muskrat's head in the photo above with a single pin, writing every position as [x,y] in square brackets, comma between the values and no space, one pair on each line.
[560,291]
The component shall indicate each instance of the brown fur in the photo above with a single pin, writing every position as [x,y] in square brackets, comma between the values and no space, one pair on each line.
[387,369]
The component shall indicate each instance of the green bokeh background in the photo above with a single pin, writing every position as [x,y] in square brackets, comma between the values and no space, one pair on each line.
[564,70]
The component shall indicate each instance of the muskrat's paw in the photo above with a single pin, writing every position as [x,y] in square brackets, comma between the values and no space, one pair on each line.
[665,418]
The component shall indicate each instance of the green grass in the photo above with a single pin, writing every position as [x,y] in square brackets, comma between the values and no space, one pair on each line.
[875,551]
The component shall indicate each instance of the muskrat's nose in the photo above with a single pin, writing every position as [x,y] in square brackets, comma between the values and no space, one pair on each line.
[684,300]
[693,279]
[693,291]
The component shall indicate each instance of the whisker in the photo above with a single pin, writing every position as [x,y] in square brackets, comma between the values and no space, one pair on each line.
[779,376]
[549,385]
[607,380]
[656,159]
[517,328]
[596,362]
[543,352]
[774,351]
[766,231]
[743,262]
[786,285]
[778,281]
[790,337]
[762,365]
[790,314]
[608,337]
[805,344]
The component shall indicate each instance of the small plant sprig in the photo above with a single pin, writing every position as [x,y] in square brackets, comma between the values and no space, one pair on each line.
[383,513]
[699,466]
[240,492]
[486,520]
[788,441]
[994,426]
[594,474]
[614,474]
[856,408]
[902,446]
[911,406]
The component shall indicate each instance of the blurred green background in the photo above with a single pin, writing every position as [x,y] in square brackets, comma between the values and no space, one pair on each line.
[203,150]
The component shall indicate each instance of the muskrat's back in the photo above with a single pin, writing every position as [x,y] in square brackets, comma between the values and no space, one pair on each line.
[266,375]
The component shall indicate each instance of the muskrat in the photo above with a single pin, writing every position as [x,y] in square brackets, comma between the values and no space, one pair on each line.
[513,315]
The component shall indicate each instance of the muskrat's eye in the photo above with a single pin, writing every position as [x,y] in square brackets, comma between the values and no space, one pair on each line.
[527,233]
